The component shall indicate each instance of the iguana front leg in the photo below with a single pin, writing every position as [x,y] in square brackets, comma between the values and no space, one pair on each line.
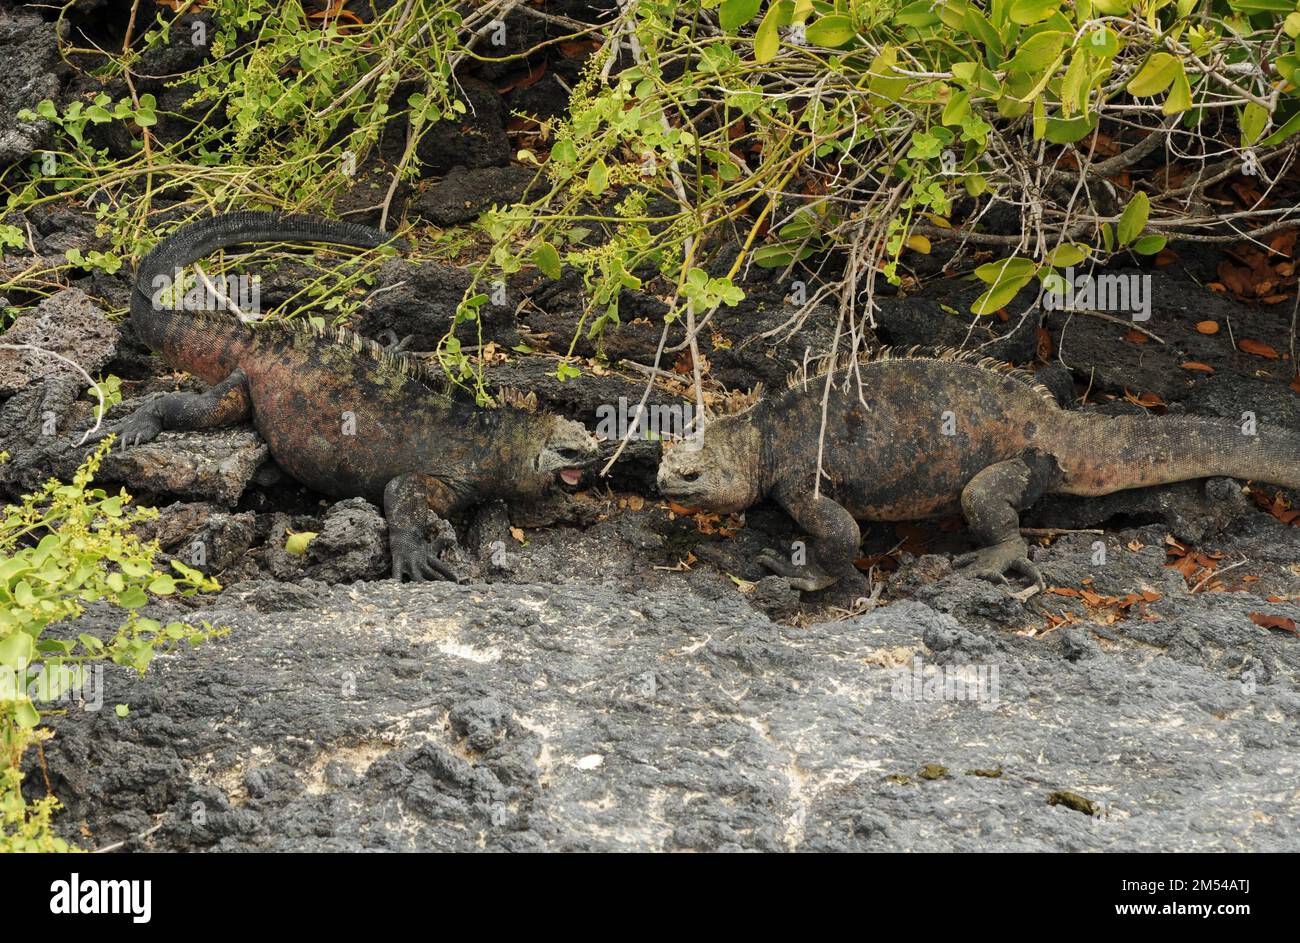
[225,404]
[992,502]
[834,541]
[410,503]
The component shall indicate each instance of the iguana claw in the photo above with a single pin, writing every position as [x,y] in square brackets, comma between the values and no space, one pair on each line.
[140,427]
[992,563]
[420,563]
[808,577]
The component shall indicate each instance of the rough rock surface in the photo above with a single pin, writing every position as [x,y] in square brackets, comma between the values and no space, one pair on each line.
[351,544]
[199,536]
[29,50]
[209,465]
[37,413]
[418,301]
[476,138]
[463,194]
[67,323]
[672,715]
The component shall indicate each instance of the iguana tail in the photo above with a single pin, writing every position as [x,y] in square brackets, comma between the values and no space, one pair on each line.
[1103,454]
[158,323]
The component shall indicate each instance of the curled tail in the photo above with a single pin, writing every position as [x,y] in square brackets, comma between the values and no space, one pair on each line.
[153,322]
[1103,454]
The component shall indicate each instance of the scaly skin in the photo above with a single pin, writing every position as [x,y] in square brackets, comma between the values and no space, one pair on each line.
[925,436]
[336,412]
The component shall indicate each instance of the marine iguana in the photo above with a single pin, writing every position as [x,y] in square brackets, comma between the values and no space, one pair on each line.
[337,412]
[926,434]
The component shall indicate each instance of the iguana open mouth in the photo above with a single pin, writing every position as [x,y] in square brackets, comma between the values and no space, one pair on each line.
[571,476]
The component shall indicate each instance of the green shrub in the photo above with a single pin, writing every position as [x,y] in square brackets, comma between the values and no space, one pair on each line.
[802,129]
[835,134]
[62,547]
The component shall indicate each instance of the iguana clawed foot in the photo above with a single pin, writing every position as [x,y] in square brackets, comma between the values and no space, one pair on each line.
[140,427]
[992,563]
[418,561]
[808,577]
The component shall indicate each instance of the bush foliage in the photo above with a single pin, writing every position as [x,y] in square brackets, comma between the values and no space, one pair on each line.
[61,548]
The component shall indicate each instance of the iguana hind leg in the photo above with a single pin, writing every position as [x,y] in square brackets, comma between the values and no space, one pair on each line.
[992,502]
[411,503]
[834,541]
[225,404]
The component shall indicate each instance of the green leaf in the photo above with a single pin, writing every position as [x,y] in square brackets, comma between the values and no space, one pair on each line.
[16,650]
[999,296]
[1037,52]
[1154,77]
[26,714]
[767,41]
[1069,130]
[547,258]
[1069,253]
[883,81]
[1134,218]
[953,13]
[778,256]
[1262,6]
[1074,88]
[1102,43]
[1028,12]
[736,13]
[1290,127]
[598,177]
[918,14]
[133,598]
[1180,95]
[1252,120]
[1010,268]
[831,31]
[121,710]
[1149,245]
[957,109]
[979,27]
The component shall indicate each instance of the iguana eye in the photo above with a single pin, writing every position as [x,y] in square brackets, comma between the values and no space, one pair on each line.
[690,476]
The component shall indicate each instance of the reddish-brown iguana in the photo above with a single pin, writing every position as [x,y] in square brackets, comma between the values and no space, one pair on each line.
[337,412]
[924,435]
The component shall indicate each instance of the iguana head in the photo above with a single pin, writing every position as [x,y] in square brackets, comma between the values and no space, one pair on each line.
[716,472]
[567,449]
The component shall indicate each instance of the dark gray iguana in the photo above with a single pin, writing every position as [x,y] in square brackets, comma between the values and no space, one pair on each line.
[925,435]
[337,412]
